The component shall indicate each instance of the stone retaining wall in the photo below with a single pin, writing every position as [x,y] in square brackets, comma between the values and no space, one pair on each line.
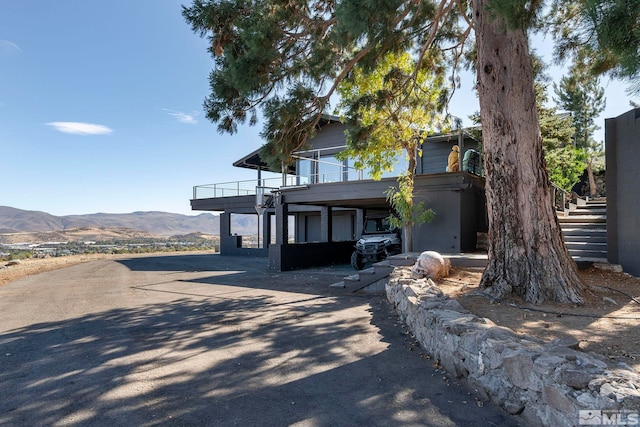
[546,383]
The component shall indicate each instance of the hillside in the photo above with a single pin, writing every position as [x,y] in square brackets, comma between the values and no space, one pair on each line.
[162,224]
[82,234]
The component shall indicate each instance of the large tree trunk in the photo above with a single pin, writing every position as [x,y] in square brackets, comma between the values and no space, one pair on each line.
[527,256]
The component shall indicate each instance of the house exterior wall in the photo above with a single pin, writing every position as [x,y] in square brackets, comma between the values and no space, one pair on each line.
[622,139]
[329,136]
[459,216]
[435,155]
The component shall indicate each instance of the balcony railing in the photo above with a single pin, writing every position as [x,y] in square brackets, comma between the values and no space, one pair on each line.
[346,174]
[248,187]
[234,188]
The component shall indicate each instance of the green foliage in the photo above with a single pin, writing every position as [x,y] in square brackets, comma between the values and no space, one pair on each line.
[565,162]
[519,14]
[388,109]
[407,212]
[287,58]
[565,165]
[603,32]
[580,93]
[18,255]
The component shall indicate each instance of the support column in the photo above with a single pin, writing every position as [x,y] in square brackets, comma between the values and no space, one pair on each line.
[326,224]
[228,244]
[282,224]
[359,223]
[266,229]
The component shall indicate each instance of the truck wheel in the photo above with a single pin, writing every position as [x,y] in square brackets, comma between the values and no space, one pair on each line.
[356,261]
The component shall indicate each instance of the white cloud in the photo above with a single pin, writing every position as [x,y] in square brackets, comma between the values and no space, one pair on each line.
[7,46]
[79,128]
[189,118]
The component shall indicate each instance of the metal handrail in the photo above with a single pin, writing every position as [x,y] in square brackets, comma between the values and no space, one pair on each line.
[559,198]
[248,187]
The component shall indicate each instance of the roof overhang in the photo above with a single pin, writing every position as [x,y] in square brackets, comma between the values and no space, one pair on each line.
[255,162]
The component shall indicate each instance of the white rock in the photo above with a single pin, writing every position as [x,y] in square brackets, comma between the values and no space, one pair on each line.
[432,265]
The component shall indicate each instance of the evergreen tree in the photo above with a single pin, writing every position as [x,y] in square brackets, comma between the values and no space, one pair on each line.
[565,162]
[289,57]
[605,32]
[580,93]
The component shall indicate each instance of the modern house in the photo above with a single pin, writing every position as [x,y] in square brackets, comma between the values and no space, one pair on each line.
[313,214]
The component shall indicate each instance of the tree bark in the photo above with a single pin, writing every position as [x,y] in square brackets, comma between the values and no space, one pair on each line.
[527,255]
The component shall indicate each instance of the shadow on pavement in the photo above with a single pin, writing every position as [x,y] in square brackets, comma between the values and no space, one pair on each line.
[251,361]
[248,272]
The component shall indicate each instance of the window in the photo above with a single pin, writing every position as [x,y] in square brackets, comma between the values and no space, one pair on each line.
[305,171]
[330,169]
[400,166]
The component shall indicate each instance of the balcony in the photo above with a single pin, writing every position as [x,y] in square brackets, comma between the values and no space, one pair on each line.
[248,187]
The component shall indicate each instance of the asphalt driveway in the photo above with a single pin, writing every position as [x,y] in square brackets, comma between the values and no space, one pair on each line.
[210,340]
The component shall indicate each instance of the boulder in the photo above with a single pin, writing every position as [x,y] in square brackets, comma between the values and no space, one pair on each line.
[431,265]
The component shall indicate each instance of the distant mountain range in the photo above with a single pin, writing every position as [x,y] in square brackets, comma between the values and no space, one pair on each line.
[162,224]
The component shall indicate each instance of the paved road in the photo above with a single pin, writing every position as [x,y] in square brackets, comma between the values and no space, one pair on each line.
[207,340]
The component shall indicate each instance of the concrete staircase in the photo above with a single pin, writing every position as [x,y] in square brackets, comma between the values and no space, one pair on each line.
[371,280]
[584,227]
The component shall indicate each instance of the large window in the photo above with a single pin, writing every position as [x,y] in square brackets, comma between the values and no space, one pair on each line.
[317,168]
[399,167]
[305,171]
[330,169]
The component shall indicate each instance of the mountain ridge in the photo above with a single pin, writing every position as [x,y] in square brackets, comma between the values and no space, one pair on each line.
[164,224]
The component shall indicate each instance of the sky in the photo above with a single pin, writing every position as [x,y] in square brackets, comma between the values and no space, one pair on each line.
[101,108]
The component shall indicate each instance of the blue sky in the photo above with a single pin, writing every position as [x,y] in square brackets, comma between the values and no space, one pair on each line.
[101,108]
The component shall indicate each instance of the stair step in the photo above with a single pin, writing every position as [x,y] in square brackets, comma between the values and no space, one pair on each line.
[587,233]
[591,246]
[362,279]
[585,219]
[584,229]
[585,238]
[352,278]
[587,254]
[339,289]
[403,260]
[599,227]
[588,210]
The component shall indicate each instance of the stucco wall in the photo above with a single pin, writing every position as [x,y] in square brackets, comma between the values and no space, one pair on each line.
[622,141]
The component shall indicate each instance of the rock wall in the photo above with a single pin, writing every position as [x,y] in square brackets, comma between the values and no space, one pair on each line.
[545,383]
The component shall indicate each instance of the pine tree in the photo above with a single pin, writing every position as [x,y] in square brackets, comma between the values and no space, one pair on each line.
[580,93]
[289,57]
[604,32]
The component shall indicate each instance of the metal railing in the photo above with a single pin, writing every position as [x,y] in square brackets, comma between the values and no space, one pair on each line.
[238,188]
[560,198]
[248,187]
